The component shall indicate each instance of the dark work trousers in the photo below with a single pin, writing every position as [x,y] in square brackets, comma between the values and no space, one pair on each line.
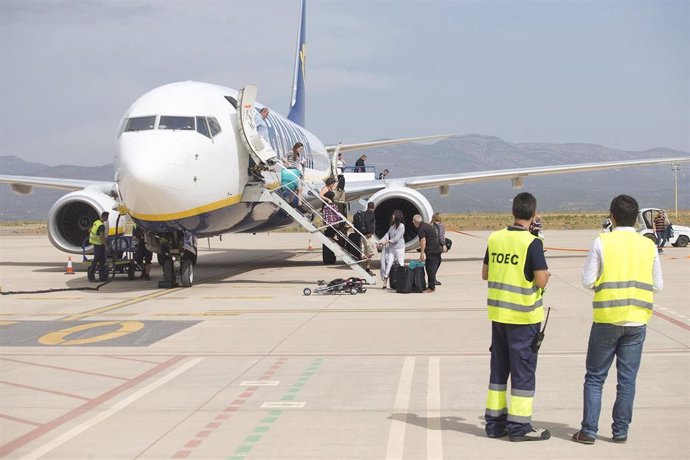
[98,256]
[511,354]
[431,265]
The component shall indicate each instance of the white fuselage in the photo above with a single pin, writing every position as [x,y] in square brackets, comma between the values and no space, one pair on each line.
[180,165]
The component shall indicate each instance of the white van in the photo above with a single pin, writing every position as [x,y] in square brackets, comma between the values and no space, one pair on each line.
[645,226]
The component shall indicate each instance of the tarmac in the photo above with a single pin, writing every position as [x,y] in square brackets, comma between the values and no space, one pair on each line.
[242,365]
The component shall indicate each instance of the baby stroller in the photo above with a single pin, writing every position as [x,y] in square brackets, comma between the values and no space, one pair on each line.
[338,286]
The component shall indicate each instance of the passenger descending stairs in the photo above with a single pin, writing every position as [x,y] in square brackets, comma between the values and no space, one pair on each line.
[267,159]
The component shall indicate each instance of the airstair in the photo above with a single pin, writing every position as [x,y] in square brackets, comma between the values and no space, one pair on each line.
[267,161]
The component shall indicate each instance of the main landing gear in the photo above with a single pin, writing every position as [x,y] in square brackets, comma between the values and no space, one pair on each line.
[178,257]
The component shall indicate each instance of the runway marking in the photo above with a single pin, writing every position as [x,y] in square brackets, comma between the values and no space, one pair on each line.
[60,337]
[261,430]
[434,434]
[19,420]
[29,363]
[125,303]
[672,320]
[260,383]
[43,390]
[396,435]
[84,408]
[227,412]
[77,430]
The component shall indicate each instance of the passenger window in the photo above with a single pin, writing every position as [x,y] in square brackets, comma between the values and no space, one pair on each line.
[202,127]
[175,123]
[214,126]
[140,123]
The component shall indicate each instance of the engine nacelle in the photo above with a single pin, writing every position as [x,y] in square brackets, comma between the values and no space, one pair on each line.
[71,217]
[410,202]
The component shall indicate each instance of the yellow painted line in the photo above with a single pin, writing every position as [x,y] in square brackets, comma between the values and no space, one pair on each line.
[51,298]
[190,212]
[7,323]
[198,314]
[241,297]
[125,303]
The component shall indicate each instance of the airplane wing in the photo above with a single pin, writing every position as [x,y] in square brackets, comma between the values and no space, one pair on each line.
[24,184]
[369,145]
[363,189]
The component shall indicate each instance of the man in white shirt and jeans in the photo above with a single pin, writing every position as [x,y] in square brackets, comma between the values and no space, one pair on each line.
[623,269]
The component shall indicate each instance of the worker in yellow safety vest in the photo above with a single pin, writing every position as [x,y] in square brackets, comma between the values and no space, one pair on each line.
[623,269]
[515,267]
[97,238]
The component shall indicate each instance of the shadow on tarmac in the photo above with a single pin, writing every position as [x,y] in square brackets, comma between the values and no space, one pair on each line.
[453,423]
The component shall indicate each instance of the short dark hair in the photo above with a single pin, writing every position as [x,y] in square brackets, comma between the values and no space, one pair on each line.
[105,214]
[624,209]
[370,205]
[524,206]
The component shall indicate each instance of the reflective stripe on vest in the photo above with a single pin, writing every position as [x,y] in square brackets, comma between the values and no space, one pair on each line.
[511,298]
[93,234]
[624,290]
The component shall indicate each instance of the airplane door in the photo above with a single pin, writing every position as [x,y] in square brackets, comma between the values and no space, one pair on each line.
[258,147]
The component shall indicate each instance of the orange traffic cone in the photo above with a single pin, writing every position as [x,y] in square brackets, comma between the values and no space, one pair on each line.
[69,270]
[310,247]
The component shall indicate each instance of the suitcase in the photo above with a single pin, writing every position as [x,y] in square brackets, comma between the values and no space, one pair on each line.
[419,283]
[404,280]
[391,274]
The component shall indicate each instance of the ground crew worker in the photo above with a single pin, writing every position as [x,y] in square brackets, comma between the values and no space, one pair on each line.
[623,269]
[97,239]
[516,270]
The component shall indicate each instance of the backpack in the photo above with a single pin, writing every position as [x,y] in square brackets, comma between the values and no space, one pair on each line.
[358,221]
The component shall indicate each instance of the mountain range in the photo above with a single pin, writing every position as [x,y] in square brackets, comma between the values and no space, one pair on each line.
[588,191]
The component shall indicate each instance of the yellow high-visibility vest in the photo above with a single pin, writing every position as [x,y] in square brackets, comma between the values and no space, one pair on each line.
[624,290]
[512,299]
[93,234]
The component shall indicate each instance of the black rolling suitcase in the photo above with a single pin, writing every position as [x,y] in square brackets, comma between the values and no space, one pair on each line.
[419,277]
[404,280]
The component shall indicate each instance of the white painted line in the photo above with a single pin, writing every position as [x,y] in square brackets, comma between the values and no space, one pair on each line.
[396,435]
[260,383]
[77,430]
[283,405]
[434,434]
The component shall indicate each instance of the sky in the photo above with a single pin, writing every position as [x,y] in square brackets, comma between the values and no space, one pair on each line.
[615,73]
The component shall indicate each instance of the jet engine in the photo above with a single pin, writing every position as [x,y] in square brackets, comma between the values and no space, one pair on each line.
[71,217]
[410,202]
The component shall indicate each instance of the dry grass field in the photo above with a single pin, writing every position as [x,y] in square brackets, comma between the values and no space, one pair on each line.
[470,221]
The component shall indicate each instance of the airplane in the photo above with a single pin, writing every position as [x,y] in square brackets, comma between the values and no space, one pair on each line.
[188,152]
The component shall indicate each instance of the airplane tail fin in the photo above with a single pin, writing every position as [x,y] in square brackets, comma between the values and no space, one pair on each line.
[297,104]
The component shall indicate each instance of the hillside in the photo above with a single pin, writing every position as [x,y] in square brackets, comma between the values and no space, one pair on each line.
[652,186]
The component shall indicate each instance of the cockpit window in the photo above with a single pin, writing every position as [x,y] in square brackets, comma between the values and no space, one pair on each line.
[175,123]
[214,125]
[202,127]
[140,123]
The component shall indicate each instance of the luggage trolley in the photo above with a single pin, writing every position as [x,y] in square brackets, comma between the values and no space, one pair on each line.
[121,251]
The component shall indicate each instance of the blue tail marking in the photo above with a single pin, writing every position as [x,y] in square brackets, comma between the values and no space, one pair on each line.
[297,102]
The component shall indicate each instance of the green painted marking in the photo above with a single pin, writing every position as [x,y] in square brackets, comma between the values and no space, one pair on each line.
[244,449]
[274,414]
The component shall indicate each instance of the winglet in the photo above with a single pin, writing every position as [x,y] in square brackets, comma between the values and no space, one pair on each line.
[297,103]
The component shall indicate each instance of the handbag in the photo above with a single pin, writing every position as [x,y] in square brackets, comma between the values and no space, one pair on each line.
[449,243]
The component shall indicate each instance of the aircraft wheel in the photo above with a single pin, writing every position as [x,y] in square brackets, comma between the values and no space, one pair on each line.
[327,255]
[306,291]
[131,271]
[187,272]
[168,270]
[91,273]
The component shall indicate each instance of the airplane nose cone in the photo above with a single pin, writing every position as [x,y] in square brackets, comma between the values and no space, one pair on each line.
[150,170]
